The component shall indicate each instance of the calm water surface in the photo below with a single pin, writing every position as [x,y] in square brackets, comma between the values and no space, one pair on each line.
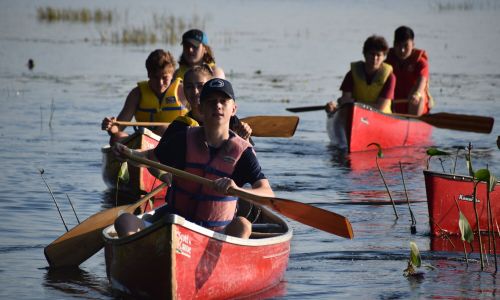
[278,54]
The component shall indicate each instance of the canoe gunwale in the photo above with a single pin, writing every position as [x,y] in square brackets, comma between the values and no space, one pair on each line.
[451,176]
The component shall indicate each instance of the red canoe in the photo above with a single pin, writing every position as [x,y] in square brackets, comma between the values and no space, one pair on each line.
[443,193]
[141,181]
[176,259]
[354,126]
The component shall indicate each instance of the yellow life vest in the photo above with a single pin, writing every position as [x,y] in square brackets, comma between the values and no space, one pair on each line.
[179,73]
[369,93]
[187,120]
[152,109]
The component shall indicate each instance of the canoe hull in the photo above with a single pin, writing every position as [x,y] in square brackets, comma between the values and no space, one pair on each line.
[362,125]
[442,192]
[140,180]
[176,259]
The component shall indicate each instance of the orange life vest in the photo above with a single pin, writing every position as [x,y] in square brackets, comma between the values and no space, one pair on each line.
[200,204]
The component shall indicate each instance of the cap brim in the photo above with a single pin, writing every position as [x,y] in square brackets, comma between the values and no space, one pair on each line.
[192,42]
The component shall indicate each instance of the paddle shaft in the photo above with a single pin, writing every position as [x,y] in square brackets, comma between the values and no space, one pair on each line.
[459,122]
[322,107]
[304,213]
[85,239]
[262,126]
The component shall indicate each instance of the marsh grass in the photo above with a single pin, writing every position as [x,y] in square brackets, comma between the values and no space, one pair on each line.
[466,5]
[164,29]
[84,15]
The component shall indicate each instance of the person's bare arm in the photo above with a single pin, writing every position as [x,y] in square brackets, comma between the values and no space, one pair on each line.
[416,105]
[126,114]
[260,187]
[383,105]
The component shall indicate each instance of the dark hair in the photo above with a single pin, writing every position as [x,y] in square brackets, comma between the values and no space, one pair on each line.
[158,60]
[403,33]
[375,42]
[208,57]
[203,69]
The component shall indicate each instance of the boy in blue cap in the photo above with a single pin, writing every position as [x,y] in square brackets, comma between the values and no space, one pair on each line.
[216,153]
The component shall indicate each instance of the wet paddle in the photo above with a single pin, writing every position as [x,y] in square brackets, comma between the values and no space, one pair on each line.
[84,240]
[262,126]
[459,122]
[301,212]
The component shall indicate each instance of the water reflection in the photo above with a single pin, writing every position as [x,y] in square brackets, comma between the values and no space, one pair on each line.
[77,282]
[412,158]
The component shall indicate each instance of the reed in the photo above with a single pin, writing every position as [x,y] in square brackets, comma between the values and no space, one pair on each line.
[84,15]
[164,29]
[380,154]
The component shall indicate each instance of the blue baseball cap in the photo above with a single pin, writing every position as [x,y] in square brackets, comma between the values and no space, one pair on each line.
[217,85]
[195,37]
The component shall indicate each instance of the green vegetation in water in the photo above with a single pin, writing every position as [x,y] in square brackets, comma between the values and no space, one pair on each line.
[415,262]
[84,15]
[164,29]
[380,154]
[466,5]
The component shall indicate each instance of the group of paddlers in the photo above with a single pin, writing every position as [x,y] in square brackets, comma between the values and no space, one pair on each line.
[205,137]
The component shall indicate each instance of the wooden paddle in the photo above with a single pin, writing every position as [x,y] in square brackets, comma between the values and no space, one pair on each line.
[262,126]
[459,122]
[455,121]
[301,212]
[322,107]
[85,239]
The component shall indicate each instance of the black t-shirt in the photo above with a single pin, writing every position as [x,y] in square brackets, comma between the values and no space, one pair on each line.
[171,151]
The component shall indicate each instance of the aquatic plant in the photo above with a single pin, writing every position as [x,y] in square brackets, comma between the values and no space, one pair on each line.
[413,228]
[484,175]
[123,176]
[52,110]
[84,15]
[466,234]
[415,262]
[380,155]
[435,152]
[165,29]
[456,156]
[466,5]
[41,171]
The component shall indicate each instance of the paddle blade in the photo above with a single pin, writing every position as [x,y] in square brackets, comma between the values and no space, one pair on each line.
[310,215]
[85,239]
[460,122]
[306,108]
[81,242]
[272,126]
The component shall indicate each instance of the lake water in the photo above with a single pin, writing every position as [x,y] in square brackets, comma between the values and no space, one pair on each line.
[278,54]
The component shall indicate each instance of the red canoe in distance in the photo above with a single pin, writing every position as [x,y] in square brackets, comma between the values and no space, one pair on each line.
[176,259]
[442,192]
[354,126]
[141,181]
